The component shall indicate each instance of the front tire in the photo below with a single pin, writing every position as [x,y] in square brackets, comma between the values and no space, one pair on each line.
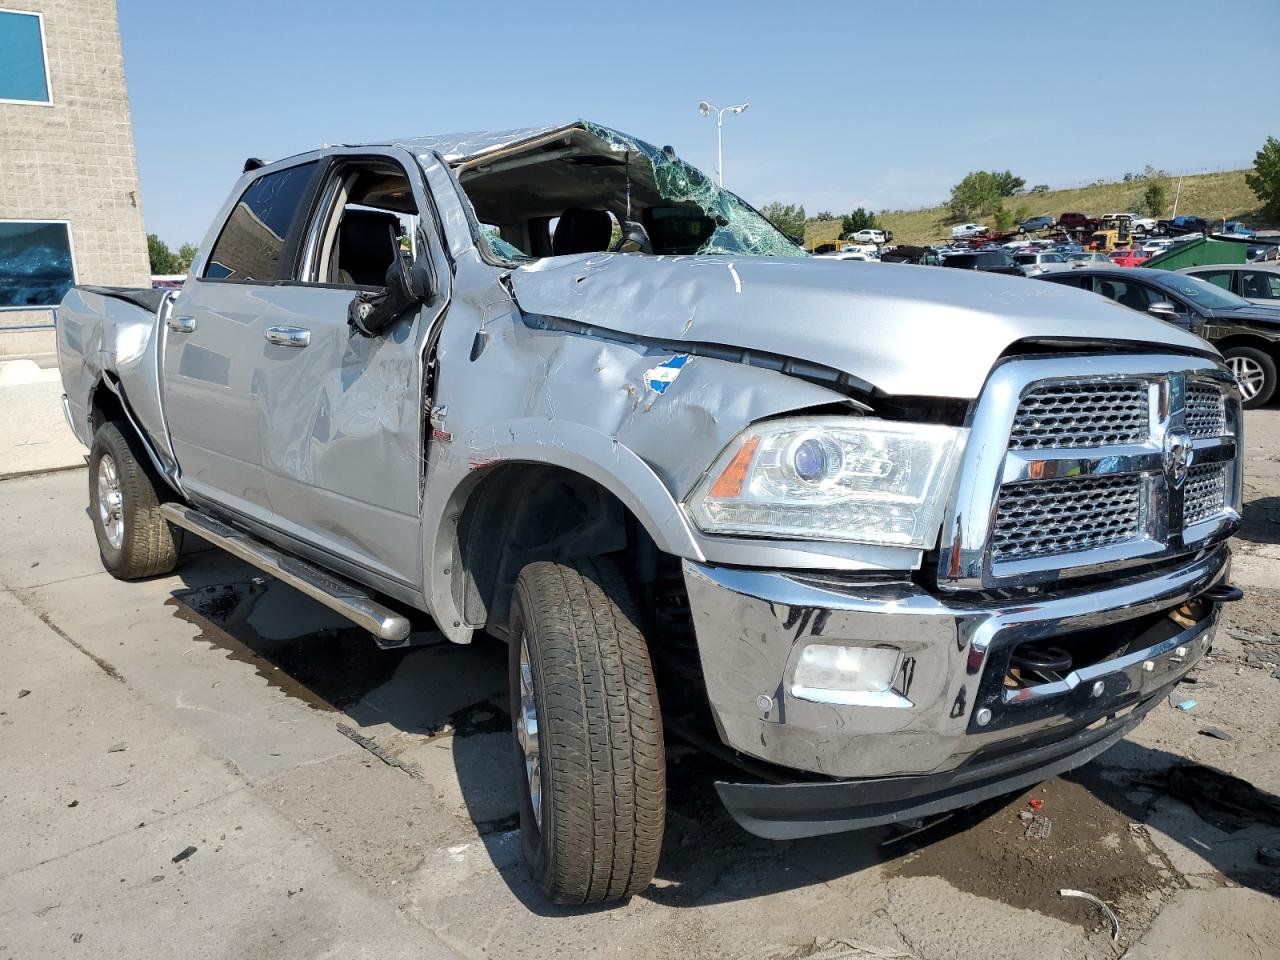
[589,755]
[134,540]
[1255,373]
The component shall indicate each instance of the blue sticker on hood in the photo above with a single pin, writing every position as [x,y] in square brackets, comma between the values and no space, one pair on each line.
[664,374]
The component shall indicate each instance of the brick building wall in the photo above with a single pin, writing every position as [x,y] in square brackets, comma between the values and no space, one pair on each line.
[73,159]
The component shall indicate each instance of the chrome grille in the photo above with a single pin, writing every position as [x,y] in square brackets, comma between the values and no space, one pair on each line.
[1085,414]
[1039,519]
[1205,493]
[1206,410]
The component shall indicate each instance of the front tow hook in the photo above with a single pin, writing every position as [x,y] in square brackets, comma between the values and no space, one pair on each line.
[1222,593]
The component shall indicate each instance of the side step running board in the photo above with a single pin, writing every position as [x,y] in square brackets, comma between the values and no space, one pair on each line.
[341,596]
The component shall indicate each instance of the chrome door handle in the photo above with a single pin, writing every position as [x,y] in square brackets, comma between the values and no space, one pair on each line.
[182,324]
[288,336]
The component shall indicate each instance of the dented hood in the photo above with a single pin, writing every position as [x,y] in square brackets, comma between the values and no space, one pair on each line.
[906,330]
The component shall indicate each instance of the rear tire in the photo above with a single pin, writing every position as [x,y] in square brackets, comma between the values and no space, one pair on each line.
[1255,373]
[134,540]
[589,755]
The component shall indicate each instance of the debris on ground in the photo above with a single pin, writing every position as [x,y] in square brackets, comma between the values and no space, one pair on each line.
[23,693]
[74,803]
[378,752]
[1186,706]
[823,948]
[184,854]
[909,828]
[1227,802]
[1111,915]
[116,748]
[1036,803]
[1217,733]
[1039,828]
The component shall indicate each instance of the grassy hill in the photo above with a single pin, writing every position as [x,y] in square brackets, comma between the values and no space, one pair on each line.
[1210,195]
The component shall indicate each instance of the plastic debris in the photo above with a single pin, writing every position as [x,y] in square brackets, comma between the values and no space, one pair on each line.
[1039,828]
[23,693]
[1111,915]
[1025,815]
[184,854]
[1036,804]
[1217,733]
[74,803]
[1186,706]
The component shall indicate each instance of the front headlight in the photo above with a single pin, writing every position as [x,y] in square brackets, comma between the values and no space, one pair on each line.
[852,479]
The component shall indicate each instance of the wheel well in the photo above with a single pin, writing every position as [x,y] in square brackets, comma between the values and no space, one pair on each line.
[1269,347]
[105,406]
[522,512]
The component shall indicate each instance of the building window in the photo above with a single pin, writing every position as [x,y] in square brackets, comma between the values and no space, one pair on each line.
[36,265]
[24,74]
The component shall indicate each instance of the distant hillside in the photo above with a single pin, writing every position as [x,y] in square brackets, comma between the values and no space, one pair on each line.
[1211,195]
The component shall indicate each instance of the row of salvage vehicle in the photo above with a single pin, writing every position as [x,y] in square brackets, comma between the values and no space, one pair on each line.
[888,539]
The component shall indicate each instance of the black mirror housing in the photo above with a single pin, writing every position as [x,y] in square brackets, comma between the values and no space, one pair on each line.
[409,284]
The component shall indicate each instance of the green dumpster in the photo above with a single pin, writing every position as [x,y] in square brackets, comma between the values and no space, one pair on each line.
[1199,253]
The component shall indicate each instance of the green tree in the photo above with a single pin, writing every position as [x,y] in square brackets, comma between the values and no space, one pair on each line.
[1264,181]
[1003,219]
[1155,192]
[186,253]
[824,215]
[787,217]
[1007,185]
[977,195]
[859,219]
[163,260]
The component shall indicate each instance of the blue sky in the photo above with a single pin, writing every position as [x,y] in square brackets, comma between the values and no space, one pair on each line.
[880,104]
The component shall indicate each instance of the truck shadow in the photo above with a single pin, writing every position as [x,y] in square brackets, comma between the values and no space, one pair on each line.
[1261,520]
[1114,828]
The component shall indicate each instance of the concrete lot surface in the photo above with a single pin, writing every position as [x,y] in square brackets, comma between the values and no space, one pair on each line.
[202,711]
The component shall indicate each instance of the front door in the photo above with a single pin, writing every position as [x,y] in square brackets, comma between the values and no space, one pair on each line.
[342,414]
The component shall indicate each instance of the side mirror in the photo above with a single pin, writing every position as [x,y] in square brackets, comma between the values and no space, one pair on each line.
[409,283]
[1163,310]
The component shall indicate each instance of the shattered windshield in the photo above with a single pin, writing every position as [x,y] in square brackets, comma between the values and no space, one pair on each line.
[740,230]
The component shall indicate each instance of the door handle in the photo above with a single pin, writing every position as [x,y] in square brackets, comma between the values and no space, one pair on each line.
[288,336]
[182,324]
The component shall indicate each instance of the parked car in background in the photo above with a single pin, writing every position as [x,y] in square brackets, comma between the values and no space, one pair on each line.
[1248,335]
[1128,258]
[967,230]
[1159,245]
[1087,257]
[846,255]
[1038,262]
[1254,282]
[1077,221]
[1234,228]
[1036,224]
[988,261]
[1184,225]
[868,236]
[1144,224]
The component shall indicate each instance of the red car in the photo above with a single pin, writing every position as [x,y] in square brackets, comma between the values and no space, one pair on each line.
[1128,258]
[1077,221]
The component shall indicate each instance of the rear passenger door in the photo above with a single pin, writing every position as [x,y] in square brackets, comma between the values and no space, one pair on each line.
[214,346]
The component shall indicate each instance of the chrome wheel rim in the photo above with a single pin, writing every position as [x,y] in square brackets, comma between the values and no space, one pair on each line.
[110,502]
[1249,375]
[527,731]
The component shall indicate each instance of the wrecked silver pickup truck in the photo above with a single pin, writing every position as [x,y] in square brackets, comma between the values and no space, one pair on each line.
[891,539]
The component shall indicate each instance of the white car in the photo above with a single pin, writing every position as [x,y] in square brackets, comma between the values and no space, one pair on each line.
[869,236]
[967,230]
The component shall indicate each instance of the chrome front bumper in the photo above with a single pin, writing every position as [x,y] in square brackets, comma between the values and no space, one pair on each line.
[751,626]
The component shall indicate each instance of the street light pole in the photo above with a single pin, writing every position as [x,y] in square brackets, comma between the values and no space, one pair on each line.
[707,110]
